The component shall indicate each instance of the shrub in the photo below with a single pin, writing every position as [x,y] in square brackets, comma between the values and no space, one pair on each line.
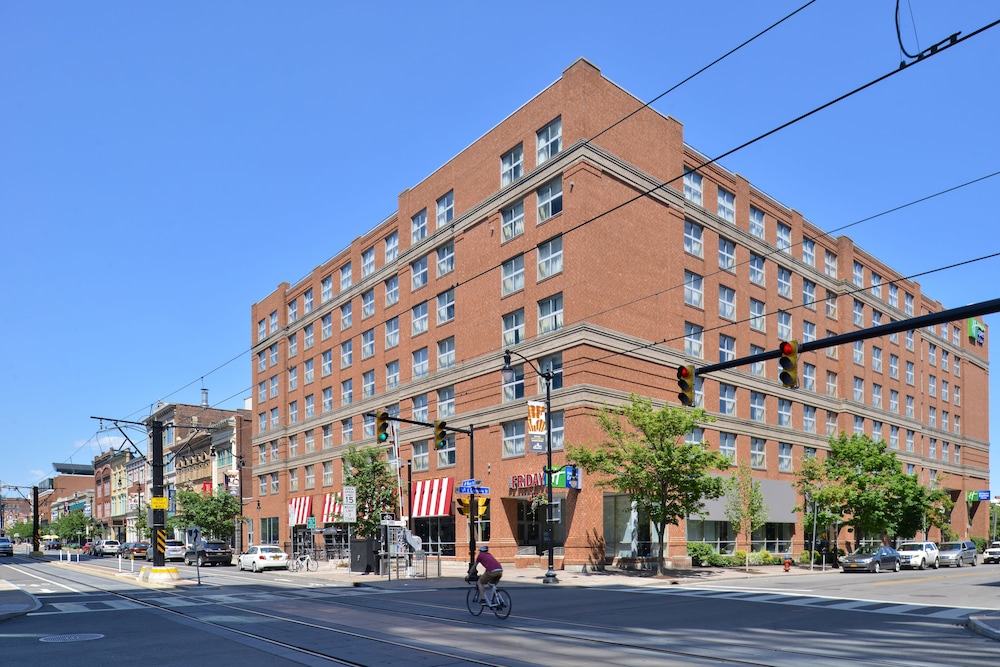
[981,543]
[720,560]
[700,552]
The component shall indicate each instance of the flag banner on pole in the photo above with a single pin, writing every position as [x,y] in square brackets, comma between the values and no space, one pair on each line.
[536,426]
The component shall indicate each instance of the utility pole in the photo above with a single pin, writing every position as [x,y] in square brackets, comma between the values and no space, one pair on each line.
[159,517]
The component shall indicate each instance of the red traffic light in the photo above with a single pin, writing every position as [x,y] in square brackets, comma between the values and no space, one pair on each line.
[685,383]
[786,348]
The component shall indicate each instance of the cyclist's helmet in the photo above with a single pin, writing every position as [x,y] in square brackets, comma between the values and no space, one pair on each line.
[484,548]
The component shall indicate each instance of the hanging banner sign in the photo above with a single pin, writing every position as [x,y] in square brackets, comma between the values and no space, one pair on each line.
[536,426]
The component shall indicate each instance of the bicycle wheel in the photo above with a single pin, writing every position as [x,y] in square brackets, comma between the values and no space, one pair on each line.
[312,564]
[472,602]
[294,564]
[501,603]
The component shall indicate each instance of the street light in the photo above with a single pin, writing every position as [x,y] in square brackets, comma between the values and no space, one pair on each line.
[508,376]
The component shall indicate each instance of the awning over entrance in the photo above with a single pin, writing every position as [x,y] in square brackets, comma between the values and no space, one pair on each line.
[333,507]
[299,509]
[431,497]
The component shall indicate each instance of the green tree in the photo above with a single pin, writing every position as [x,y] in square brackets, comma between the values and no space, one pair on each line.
[71,527]
[646,456]
[745,506]
[376,488]
[142,522]
[214,514]
[20,530]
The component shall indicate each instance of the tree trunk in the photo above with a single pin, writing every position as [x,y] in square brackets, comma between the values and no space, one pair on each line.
[661,568]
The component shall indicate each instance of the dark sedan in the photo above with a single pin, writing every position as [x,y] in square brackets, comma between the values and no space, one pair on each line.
[871,559]
[135,549]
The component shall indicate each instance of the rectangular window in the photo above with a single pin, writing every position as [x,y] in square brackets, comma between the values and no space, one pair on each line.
[346,353]
[877,396]
[831,304]
[512,388]
[293,412]
[944,360]
[784,238]
[347,392]
[727,399]
[392,333]
[391,291]
[512,275]
[445,402]
[391,247]
[326,363]
[757,367]
[756,269]
[727,347]
[327,399]
[808,377]
[446,353]
[784,282]
[550,257]
[932,354]
[446,455]
[859,275]
[347,430]
[758,453]
[272,354]
[809,252]
[513,328]
[727,302]
[549,141]
[310,442]
[757,407]
[830,264]
[293,378]
[274,418]
[368,344]
[513,438]
[909,340]
[831,383]
[727,445]
[293,480]
[421,461]
[392,375]
[757,222]
[859,352]
[274,386]
[346,277]
[727,254]
[327,439]
[307,371]
[908,309]
[261,361]
[418,227]
[327,326]
[808,332]
[727,205]
[808,418]
[550,314]
[692,186]
[550,200]
[894,401]
[693,233]
[368,262]
[784,457]
[757,321]
[877,431]
[809,294]
[894,437]
[307,301]
[909,407]
[784,325]
[419,405]
[876,285]
[859,313]
[420,363]
[511,165]
[445,209]
[418,273]
[446,306]
[512,222]
[894,296]
[831,423]
[784,413]
[893,367]
[693,340]
[859,425]
[693,295]
[445,259]
[877,359]
[859,390]
[418,318]
[931,385]
[346,318]
[274,321]
[293,311]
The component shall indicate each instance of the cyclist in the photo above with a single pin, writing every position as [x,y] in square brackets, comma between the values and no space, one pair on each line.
[491,575]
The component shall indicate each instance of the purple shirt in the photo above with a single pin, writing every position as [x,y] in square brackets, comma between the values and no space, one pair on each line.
[486,559]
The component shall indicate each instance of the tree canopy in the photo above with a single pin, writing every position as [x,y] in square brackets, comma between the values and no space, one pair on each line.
[369,473]
[745,506]
[646,455]
[214,514]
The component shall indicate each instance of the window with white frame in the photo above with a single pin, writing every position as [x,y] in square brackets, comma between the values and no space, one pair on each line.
[419,406]
[512,221]
[909,340]
[727,302]
[512,443]
[347,430]
[877,396]
[274,321]
[445,259]
[757,407]
[784,282]
[932,354]
[859,313]
[327,398]
[550,256]
[274,386]
[908,309]
[757,321]
[727,254]
[808,331]
[876,318]
[894,401]
[512,275]
[808,376]
[446,455]
[859,390]
[512,388]
[727,399]
[757,222]
[909,407]
[809,418]
[446,353]
[391,247]
[894,296]
[445,402]
[756,269]
[859,274]
[418,319]
[346,319]
[693,340]
[552,363]
[877,359]
[758,453]
[391,291]
[418,273]
[831,304]
[392,333]
[392,374]
[293,412]
[955,335]
[346,353]
[327,440]
[757,367]
[274,418]
[420,363]
[368,344]
[293,310]
[727,347]
[511,165]
[549,141]
[727,205]
[347,391]
[261,361]
[368,262]
[784,238]
[784,325]
[859,425]
[893,366]
[550,199]
[859,352]
[944,450]
[446,306]
[550,314]
[307,371]
[693,233]
[831,423]
[326,363]
[876,285]
[310,441]
[932,385]
[784,457]
[418,227]
[272,354]
[958,425]
[944,360]
[421,460]
[957,393]
[445,209]
[692,186]
[693,294]
[958,371]
[831,383]
[784,412]
[809,251]
[727,445]
[346,277]
[293,379]
[830,264]
[809,294]
[513,328]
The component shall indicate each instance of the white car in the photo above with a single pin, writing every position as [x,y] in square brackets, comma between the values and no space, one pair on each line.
[992,554]
[262,557]
[918,555]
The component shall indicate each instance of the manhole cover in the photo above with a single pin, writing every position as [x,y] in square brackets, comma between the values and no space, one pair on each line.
[71,638]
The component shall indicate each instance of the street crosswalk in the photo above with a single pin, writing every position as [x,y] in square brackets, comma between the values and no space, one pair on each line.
[842,604]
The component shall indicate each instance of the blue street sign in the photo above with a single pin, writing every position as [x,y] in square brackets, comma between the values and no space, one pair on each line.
[473,490]
[984,495]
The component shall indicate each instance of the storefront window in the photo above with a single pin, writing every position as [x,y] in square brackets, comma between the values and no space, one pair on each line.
[627,533]
[437,533]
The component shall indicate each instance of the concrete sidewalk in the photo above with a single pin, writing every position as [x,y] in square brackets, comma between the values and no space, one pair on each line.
[15,602]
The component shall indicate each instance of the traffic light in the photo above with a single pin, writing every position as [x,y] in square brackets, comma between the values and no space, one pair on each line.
[685,383]
[462,505]
[482,503]
[789,362]
[440,435]
[382,426]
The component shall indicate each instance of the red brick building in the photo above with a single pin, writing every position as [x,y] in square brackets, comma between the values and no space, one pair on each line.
[601,256]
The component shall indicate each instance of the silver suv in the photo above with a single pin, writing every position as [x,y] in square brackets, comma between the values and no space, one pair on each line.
[173,550]
[6,546]
[918,555]
[107,548]
[958,553]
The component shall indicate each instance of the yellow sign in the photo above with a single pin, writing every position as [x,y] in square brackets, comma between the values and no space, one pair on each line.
[159,503]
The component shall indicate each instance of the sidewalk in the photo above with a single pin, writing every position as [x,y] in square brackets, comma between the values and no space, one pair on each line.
[14,602]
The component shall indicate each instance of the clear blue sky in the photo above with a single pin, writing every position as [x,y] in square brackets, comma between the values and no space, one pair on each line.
[152,153]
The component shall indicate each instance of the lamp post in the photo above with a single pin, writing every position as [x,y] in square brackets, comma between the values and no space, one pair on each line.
[508,376]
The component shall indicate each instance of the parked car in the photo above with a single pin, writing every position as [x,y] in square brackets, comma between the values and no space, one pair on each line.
[209,552]
[262,557]
[919,555]
[872,559]
[174,550]
[134,549]
[107,548]
[87,548]
[51,545]
[958,553]
[6,546]
[992,553]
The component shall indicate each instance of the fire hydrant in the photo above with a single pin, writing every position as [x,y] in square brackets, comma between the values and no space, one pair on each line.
[788,562]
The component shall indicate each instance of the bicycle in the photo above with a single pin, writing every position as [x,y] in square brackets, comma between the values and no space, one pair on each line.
[303,562]
[498,599]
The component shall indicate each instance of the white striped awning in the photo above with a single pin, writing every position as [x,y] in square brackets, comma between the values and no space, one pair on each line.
[431,497]
[299,509]
[333,508]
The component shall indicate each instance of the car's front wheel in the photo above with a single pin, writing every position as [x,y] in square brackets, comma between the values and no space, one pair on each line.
[937,564]
[878,567]
[896,568]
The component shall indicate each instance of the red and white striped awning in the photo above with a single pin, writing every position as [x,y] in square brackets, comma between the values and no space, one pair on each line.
[299,509]
[333,507]
[431,497]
